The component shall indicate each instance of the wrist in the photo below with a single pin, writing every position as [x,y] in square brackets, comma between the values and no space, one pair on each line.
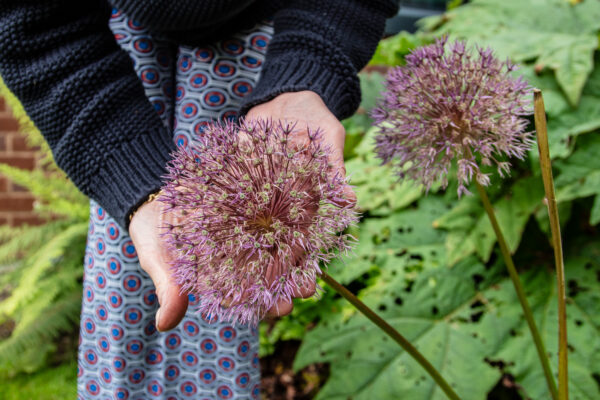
[151,197]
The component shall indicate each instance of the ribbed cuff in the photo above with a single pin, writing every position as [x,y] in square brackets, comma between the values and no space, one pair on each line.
[293,73]
[131,173]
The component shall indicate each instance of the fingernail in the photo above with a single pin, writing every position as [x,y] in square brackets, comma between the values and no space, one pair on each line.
[156,319]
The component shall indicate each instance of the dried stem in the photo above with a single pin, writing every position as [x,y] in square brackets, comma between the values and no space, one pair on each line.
[394,334]
[514,276]
[542,138]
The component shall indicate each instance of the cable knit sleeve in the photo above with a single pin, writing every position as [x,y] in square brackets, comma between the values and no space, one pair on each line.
[80,89]
[320,45]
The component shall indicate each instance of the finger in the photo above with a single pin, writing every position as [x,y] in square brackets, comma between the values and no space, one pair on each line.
[283,307]
[172,303]
[334,142]
[306,291]
[172,310]
[349,196]
[299,139]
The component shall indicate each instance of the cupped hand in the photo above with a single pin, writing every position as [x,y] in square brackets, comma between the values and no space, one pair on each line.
[306,110]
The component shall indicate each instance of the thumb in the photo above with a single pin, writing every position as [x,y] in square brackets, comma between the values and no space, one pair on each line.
[172,302]
[154,259]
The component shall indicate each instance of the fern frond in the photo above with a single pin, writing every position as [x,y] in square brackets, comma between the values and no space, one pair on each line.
[54,189]
[8,232]
[40,266]
[42,297]
[8,274]
[62,315]
[39,263]
[27,238]
[62,280]
[77,212]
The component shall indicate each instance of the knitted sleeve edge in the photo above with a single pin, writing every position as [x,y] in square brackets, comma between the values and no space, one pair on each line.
[130,173]
[291,73]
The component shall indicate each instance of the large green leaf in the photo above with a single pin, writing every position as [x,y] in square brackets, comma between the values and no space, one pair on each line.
[470,231]
[391,51]
[564,122]
[377,187]
[563,129]
[371,85]
[554,100]
[467,322]
[579,175]
[582,269]
[382,240]
[554,33]
[438,312]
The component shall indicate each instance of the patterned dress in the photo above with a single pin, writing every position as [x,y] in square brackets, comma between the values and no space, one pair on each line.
[121,354]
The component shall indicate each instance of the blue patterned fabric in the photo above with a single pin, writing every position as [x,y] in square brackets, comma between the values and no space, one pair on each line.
[121,354]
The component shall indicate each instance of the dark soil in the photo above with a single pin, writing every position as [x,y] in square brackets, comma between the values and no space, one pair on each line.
[279,382]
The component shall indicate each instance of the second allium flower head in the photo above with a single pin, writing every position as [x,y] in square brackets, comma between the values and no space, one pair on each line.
[447,104]
[258,212]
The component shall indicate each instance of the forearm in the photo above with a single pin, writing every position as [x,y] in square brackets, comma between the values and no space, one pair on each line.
[62,62]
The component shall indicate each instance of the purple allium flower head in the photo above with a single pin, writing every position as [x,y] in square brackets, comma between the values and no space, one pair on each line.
[452,104]
[258,211]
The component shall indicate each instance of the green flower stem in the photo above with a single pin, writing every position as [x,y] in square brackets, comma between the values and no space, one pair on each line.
[542,137]
[514,276]
[391,332]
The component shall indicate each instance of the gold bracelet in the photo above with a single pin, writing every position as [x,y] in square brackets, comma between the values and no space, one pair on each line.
[150,198]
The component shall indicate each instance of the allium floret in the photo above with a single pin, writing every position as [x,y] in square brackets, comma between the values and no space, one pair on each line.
[452,104]
[258,211]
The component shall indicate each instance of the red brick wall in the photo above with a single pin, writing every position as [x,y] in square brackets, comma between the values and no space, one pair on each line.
[16,203]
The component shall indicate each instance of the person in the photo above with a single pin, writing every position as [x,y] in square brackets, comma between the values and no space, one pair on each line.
[114,88]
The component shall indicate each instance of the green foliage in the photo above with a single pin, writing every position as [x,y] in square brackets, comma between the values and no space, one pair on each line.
[41,265]
[465,319]
[58,383]
[391,51]
[580,174]
[292,327]
[553,33]
[381,240]
[431,304]
[56,195]
[430,265]
[377,188]
[371,85]
[471,231]
[582,269]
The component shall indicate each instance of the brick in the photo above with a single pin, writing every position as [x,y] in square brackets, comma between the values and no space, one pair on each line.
[3,141]
[2,104]
[26,219]
[18,143]
[4,220]
[8,123]
[16,204]
[24,162]
[3,184]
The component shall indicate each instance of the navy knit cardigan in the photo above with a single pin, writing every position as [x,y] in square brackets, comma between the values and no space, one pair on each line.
[79,88]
